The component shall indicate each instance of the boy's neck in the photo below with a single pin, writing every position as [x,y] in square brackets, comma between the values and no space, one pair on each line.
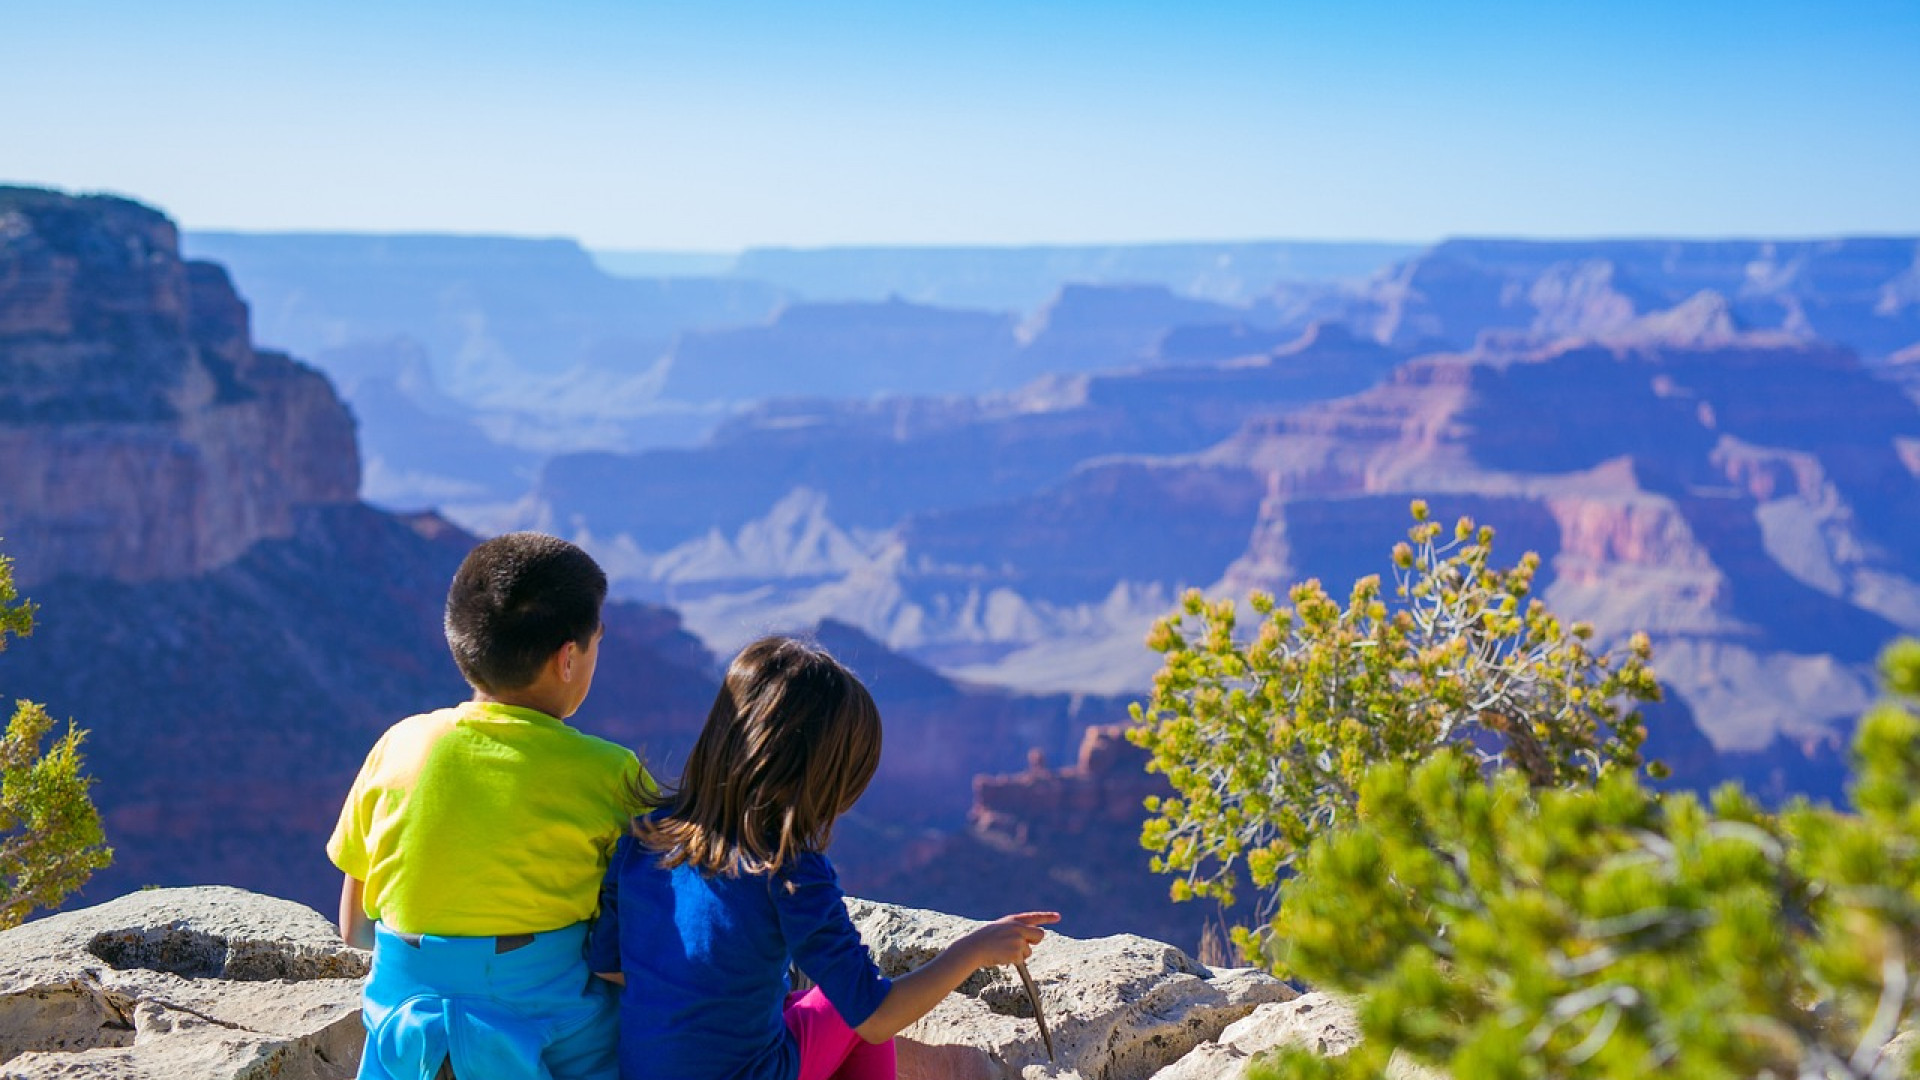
[528,698]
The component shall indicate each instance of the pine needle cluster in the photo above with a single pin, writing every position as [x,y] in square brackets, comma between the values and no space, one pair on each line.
[1500,931]
[51,840]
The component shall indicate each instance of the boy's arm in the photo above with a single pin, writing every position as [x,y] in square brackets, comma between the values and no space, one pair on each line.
[603,938]
[355,928]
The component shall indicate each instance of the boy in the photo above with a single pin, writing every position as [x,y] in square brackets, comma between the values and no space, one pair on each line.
[474,838]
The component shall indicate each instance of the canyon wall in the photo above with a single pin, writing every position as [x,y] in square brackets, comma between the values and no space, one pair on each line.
[144,436]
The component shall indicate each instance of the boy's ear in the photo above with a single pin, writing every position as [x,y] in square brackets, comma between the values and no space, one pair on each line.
[566,659]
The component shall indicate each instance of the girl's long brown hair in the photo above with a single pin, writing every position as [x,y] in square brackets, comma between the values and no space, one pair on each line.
[791,742]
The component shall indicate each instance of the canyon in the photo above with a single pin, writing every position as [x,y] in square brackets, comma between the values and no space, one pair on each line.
[980,495]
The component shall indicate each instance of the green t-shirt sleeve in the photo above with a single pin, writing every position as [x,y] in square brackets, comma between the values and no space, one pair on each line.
[347,847]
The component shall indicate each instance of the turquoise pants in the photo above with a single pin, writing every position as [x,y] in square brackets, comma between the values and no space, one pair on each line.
[534,1013]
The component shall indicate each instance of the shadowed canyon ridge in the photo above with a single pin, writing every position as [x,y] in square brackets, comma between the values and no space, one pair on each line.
[980,491]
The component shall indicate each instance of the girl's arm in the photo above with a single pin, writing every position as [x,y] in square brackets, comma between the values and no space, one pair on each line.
[1004,941]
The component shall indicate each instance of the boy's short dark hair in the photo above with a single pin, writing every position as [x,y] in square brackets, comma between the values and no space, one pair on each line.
[515,600]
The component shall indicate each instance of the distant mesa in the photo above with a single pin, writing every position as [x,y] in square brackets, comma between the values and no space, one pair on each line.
[1858,292]
[1019,279]
[499,319]
[1087,328]
[843,350]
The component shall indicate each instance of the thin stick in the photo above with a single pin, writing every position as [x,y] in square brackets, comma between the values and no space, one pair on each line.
[1039,1015]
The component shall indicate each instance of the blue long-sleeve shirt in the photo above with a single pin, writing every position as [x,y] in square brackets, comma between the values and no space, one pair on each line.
[706,959]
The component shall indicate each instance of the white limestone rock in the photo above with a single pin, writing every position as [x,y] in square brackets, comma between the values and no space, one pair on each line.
[206,982]
[1121,1008]
[1320,1023]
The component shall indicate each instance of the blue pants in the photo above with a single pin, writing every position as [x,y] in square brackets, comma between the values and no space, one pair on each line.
[534,1013]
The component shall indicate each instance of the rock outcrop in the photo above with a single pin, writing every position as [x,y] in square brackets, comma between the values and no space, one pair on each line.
[210,983]
[221,984]
[144,437]
[1119,1008]
[1063,838]
[940,735]
[1858,291]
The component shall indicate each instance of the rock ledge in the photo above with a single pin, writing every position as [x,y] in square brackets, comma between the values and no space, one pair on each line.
[206,982]
[221,983]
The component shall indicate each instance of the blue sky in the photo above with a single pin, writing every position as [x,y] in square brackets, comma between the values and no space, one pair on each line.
[714,125]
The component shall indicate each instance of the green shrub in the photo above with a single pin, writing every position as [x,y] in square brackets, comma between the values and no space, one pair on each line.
[1501,931]
[1265,741]
[50,836]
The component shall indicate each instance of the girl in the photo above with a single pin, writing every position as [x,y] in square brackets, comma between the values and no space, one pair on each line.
[724,884]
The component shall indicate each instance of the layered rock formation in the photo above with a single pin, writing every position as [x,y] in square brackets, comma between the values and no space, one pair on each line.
[1747,497]
[144,437]
[683,525]
[536,350]
[1089,328]
[939,735]
[470,359]
[1060,838]
[844,350]
[1744,501]
[1859,292]
[497,318]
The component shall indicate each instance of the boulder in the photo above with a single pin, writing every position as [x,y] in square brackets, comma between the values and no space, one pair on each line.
[206,982]
[1120,1008]
[1321,1023]
[1326,1025]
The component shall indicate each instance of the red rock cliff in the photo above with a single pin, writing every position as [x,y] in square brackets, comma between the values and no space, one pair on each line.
[142,436]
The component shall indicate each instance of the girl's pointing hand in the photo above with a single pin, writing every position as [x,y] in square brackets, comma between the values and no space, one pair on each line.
[1008,940]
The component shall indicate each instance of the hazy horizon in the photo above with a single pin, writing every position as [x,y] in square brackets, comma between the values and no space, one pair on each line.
[937,246]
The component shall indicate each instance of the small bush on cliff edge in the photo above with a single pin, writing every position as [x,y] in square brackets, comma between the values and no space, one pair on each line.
[1613,933]
[1265,742]
[50,836]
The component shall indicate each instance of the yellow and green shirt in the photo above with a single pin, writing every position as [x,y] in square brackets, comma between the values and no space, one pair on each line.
[484,819]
